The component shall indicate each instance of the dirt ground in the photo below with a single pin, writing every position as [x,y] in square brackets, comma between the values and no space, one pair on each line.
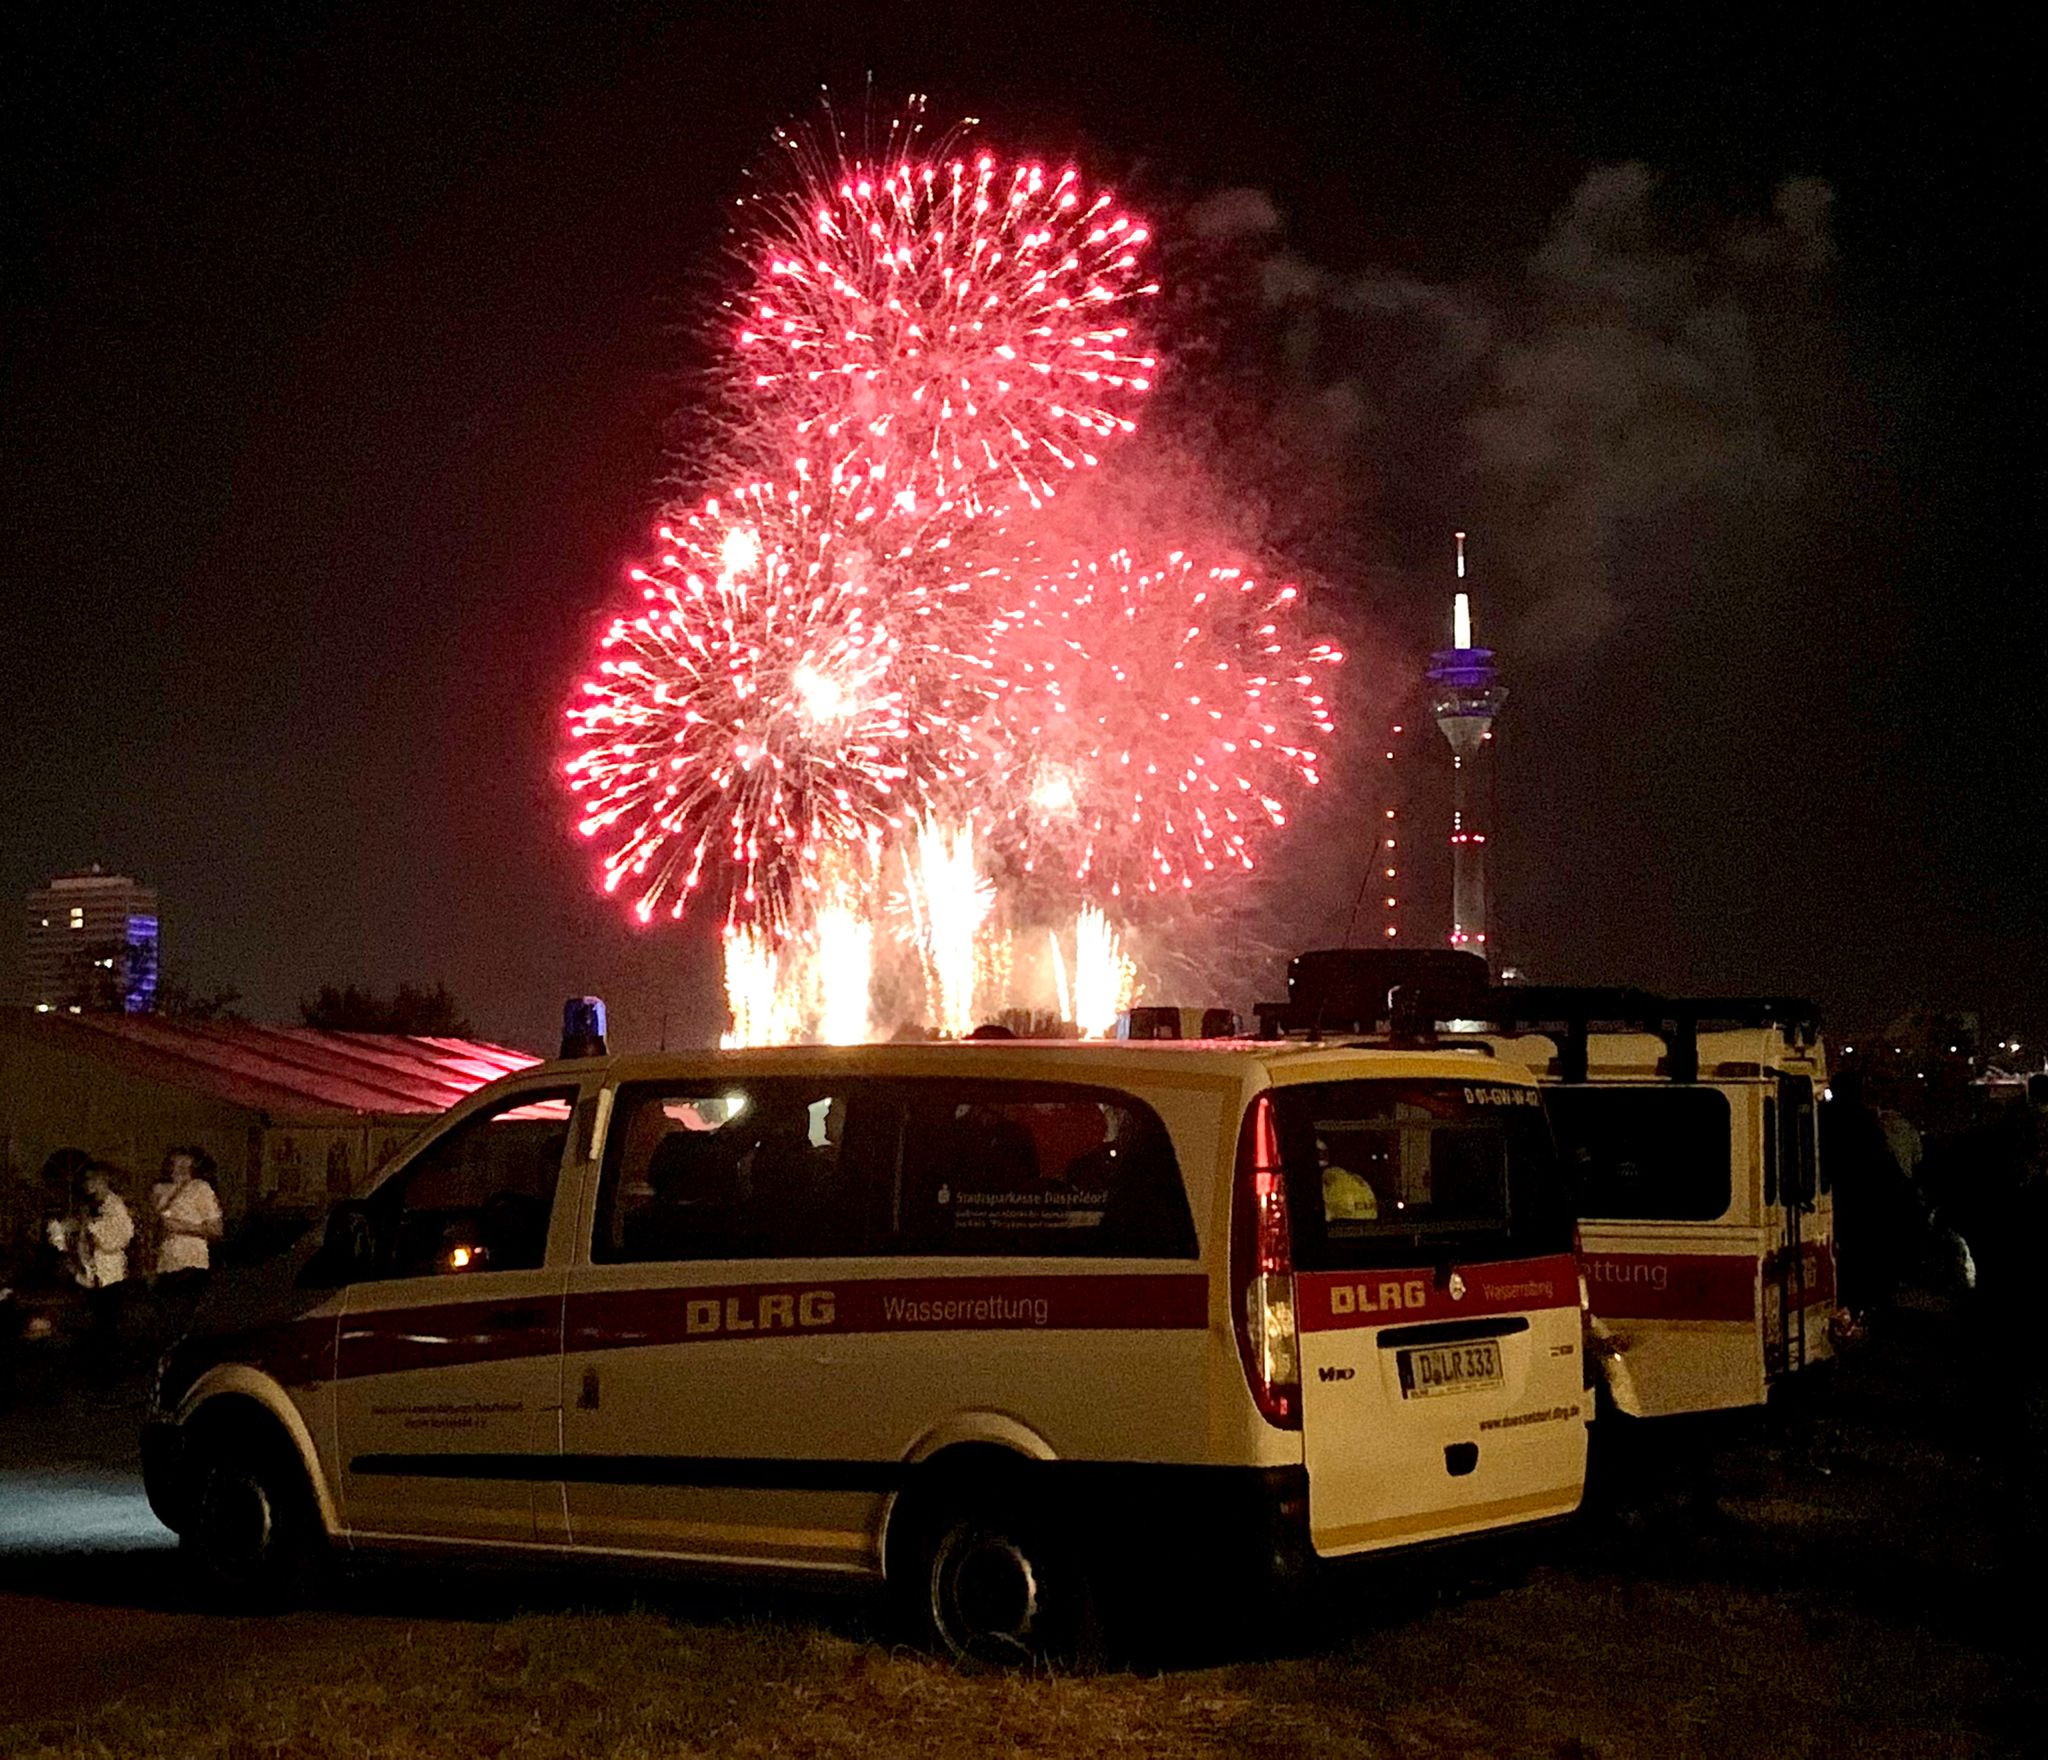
[1857,1585]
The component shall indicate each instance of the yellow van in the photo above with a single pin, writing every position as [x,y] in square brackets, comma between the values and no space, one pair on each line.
[986,1322]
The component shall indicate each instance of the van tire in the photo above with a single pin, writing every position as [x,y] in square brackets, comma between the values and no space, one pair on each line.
[252,1532]
[987,1582]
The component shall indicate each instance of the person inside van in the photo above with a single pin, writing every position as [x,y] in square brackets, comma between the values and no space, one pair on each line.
[1347,1196]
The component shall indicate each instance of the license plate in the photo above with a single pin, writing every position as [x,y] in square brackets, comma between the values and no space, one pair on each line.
[1449,1368]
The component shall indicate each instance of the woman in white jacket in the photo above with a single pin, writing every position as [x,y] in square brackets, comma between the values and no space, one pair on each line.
[188,1221]
[96,1239]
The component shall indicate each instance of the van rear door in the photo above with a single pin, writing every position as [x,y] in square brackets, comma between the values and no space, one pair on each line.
[1438,1309]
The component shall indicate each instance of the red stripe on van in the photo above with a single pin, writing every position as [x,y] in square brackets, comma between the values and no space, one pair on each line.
[1817,1268]
[706,1313]
[449,1335]
[1672,1286]
[1331,1301]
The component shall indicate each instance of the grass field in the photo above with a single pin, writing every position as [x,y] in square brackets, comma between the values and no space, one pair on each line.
[1856,1611]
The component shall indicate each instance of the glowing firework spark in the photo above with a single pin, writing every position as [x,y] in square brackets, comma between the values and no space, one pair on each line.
[845,966]
[1104,975]
[949,902]
[941,335]
[779,695]
[762,1012]
[1154,718]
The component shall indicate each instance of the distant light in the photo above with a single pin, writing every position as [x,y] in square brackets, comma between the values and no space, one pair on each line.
[1461,621]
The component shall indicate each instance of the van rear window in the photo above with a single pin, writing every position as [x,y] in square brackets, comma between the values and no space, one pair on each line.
[1414,1172]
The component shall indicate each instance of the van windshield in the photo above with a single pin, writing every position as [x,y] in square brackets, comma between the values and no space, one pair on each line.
[1413,1172]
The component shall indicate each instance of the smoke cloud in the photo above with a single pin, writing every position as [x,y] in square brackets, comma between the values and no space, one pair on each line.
[1606,394]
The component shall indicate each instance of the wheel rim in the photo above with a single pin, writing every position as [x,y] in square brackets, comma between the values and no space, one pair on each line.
[989,1596]
[236,1524]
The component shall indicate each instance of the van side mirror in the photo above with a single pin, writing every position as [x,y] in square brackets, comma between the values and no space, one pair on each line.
[347,1251]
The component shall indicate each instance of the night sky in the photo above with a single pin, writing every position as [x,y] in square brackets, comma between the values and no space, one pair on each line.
[343,347]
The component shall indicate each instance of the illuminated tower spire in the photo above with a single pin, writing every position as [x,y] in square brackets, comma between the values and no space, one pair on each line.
[1464,699]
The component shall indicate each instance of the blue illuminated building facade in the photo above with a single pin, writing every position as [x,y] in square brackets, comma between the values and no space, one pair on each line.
[92,945]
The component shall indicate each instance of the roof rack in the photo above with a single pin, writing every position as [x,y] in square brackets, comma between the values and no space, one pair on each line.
[1413,991]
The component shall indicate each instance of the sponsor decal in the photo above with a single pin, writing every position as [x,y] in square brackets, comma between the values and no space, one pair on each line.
[1330,1301]
[464,1415]
[1542,1415]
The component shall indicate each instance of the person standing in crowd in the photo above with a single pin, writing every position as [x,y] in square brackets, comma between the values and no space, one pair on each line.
[188,1221]
[95,1239]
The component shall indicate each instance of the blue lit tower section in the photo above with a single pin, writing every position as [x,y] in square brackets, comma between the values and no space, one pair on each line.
[138,974]
[1464,698]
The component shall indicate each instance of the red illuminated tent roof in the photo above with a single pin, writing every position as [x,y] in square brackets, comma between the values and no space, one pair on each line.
[293,1071]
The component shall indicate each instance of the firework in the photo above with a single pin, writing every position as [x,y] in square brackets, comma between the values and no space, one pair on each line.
[1152,721]
[874,668]
[844,966]
[779,694]
[940,335]
[949,902]
[1104,975]
[761,1005]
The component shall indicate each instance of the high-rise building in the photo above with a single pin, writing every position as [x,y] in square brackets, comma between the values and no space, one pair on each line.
[1465,698]
[92,945]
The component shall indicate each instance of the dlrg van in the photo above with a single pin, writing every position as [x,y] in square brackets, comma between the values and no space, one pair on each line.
[1688,1127]
[1707,1214]
[989,1323]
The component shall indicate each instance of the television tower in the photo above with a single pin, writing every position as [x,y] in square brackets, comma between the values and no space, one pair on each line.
[1464,699]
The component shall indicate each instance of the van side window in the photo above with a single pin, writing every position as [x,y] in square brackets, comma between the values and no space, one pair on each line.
[1770,1152]
[755,1169]
[479,1198]
[1796,1139]
[1655,1154]
[1037,1169]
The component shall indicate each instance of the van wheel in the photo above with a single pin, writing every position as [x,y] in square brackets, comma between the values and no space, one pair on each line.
[252,1532]
[992,1588]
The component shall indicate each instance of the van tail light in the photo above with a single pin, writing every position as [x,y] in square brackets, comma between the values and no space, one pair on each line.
[1262,1271]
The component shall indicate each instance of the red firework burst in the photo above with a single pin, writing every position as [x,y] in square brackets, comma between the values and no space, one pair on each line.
[1151,719]
[778,694]
[941,337]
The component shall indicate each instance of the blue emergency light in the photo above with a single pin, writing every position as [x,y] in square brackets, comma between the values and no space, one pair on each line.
[583,1027]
